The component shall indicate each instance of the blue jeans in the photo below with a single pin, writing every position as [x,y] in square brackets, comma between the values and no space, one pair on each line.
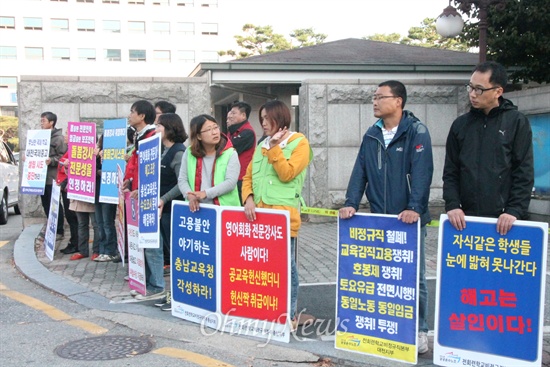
[423,286]
[154,268]
[105,215]
[84,233]
[294,280]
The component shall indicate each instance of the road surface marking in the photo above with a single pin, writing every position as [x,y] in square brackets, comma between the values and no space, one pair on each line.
[51,312]
[3,243]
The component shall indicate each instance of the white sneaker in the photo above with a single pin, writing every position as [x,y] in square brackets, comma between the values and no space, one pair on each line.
[422,342]
[134,293]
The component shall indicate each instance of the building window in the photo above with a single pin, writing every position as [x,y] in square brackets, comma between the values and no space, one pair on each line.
[186,56]
[189,3]
[8,53]
[161,27]
[7,22]
[209,29]
[8,82]
[112,55]
[61,54]
[61,25]
[137,55]
[161,2]
[84,1]
[61,1]
[85,25]
[34,24]
[210,56]
[86,54]
[186,28]
[34,53]
[111,2]
[112,26]
[136,27]
[136,2]
[209,3]
[161,56]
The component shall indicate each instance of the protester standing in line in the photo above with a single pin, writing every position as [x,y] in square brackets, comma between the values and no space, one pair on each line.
[142,117]
[395,165]
[242,137]
[70,215]
[210,167]
[170,126]
[275,177]
[105,215]
[489,155]
[160,108]
[58,147]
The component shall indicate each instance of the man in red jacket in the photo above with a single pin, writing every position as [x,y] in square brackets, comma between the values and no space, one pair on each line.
[242,136]
[141,118]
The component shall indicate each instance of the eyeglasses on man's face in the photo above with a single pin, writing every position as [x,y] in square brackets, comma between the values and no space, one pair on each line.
[377,97]
[212,130]
[478,90]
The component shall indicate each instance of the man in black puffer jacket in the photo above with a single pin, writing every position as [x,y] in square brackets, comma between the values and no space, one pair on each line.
[489,155]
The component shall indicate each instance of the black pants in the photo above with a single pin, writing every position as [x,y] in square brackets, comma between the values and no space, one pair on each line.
[46,200]
[71,219]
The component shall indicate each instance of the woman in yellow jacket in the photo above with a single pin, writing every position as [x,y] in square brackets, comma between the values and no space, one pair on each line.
[275,176]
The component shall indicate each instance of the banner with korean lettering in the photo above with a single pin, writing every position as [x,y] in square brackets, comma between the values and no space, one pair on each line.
[35,169]
[136,259]
[51,225]
[255,273]
[149,191]
[82,168]
[194,263]
[377,286]
[231,274]
[114,148]
[490,294]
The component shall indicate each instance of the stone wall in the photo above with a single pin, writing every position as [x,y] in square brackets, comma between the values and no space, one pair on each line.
[96,99]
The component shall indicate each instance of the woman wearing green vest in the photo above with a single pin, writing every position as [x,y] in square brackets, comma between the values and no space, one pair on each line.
[210,166]
[275,177]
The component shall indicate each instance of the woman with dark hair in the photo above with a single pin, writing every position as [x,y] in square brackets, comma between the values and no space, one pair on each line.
[275,177]
[170,126]
[210,167]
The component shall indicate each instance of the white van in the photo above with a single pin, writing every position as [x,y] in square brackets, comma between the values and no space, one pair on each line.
[9,182]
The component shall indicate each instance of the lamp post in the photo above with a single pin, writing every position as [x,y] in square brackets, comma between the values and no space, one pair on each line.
[448,24]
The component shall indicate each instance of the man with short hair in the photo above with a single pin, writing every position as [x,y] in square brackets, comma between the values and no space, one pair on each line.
[488,168]
[395,165]
[57,149]
[242,136]
[142,118]
[163,107]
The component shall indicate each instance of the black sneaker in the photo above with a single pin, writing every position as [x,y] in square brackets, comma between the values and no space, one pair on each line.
[164,300]
[166,307]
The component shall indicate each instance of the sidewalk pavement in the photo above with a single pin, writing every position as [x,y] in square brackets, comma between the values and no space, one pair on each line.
[97,284]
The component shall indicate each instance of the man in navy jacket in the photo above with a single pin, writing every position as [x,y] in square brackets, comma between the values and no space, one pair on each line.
[395,164]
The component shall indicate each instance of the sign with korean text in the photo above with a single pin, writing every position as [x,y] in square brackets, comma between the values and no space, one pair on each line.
[490,294]
[377,286]
[194,265]
[114,148]
[255,273]
[136,259]
[35,169]
[82,167]
[120,230]
[149,191]
[51,226]
[231,274]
